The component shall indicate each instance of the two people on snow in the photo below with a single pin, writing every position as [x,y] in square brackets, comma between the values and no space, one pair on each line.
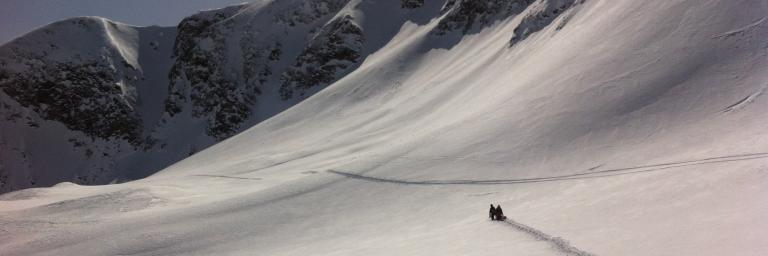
[496,213]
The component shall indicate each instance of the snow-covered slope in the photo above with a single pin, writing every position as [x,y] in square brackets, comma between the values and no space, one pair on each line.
[93,101]
[602,127]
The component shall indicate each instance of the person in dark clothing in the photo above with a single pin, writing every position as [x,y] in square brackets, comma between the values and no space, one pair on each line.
[499,213]
[492,213]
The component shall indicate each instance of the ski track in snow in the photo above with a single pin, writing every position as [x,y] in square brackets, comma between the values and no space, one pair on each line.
[745,101]
[558,243]
[584,175]
[741,30]
[228,177]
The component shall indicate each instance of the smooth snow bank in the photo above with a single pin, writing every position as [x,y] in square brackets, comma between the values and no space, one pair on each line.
[609,131]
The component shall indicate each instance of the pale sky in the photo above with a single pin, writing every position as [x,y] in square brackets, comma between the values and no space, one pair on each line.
[20,16]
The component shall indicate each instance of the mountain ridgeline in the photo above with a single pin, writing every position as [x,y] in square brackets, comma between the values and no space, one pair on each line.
[94,101]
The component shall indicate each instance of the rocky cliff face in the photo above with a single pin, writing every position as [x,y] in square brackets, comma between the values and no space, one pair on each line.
[74,97]
[336,48]
[89,90]
[94,101]
[542,14]
[226,58]
[465,15]
[200,79]
[411,4]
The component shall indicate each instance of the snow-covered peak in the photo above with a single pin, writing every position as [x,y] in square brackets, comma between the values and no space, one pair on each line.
[154,95]
[72,38]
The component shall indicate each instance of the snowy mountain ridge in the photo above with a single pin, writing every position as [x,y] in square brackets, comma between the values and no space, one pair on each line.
[128,92]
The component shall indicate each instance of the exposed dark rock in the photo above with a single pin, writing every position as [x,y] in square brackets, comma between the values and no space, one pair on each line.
[198,73]
[309,11]
[332,51]
[203,78]
[411,4]
[84,96]
[542,17]
[464,15]
[194,63]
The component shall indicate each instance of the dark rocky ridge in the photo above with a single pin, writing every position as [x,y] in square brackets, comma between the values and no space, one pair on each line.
[200,53]
[466,15]
[544,16]
[205,77]
[332,51]
[83,93]
[411,4]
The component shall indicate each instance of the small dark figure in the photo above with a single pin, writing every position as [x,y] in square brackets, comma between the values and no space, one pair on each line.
[492,213]
[500,213]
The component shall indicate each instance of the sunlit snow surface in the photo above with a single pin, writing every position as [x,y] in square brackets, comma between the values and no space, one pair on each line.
[637,128]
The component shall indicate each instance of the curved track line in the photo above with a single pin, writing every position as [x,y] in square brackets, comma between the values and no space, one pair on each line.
[224,176]
[583,175]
